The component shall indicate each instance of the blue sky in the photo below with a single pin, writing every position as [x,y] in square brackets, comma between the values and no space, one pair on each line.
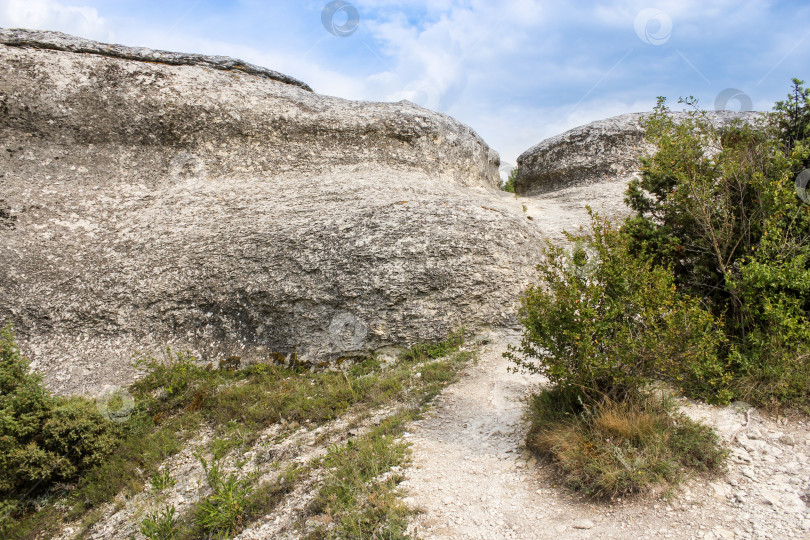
[517,71]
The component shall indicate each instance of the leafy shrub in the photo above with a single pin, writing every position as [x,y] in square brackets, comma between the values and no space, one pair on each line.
[602,324]
[720,208]
[792,120]
[44,438]
[509,185]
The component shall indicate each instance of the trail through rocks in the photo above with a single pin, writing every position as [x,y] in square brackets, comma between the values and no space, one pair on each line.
[472,478]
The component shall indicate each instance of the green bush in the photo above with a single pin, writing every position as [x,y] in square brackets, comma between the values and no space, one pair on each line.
[509,185]
[44,438]
[602,324]
[720,208]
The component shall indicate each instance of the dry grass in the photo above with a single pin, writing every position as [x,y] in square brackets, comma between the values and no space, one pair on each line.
[619,448]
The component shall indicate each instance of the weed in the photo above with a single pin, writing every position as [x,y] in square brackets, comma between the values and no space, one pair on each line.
[160,525]
[358,498]
[430,351]
[223,512]
[162,480]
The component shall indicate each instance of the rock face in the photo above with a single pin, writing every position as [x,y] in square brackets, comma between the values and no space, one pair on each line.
[152,198]
[599,152]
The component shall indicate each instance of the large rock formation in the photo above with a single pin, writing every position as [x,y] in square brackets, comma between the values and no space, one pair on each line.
[596,153]
[151,198]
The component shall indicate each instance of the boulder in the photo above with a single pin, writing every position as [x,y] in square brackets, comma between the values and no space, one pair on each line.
[600,152]
[152,199]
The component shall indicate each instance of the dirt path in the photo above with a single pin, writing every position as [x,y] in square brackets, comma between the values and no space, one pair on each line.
[472,477]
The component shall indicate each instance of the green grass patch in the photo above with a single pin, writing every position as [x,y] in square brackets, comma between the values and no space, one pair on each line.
[359,497]
[160,525]
[177,395]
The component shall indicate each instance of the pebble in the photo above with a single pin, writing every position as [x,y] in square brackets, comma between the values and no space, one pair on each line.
[725,534]
[582,524]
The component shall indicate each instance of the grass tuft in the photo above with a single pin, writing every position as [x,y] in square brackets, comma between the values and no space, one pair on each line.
[160,525]
[618,448]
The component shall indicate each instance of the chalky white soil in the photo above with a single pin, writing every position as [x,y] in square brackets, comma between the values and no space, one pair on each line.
[472,477]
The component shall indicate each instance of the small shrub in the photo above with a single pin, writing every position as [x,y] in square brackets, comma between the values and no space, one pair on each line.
[509,185]
[43,438]
[602,323]
[224,511]
[160,525]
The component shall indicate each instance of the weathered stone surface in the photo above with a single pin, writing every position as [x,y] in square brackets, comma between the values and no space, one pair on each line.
[600,152]
[63,42]
[146,204]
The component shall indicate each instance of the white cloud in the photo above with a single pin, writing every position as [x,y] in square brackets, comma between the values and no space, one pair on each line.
[52,15]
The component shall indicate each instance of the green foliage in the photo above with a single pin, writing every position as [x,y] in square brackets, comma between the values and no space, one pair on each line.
[615,448]
[720,208]
[176,395]
[793,118]
[162,480]
[173,375]
[509,185]
[358,497]
[43,438]
[160,525]
[429,351]
[602,323]
[223,513]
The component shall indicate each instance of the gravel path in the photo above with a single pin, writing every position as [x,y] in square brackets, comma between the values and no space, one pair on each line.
[472,477]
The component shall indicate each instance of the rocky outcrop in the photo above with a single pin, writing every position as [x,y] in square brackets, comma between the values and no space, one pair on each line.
[599,152]
[147,201]
[63,42]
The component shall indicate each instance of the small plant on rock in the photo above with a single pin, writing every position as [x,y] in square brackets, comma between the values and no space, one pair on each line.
[160,525]
[224,511]
[162,480]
